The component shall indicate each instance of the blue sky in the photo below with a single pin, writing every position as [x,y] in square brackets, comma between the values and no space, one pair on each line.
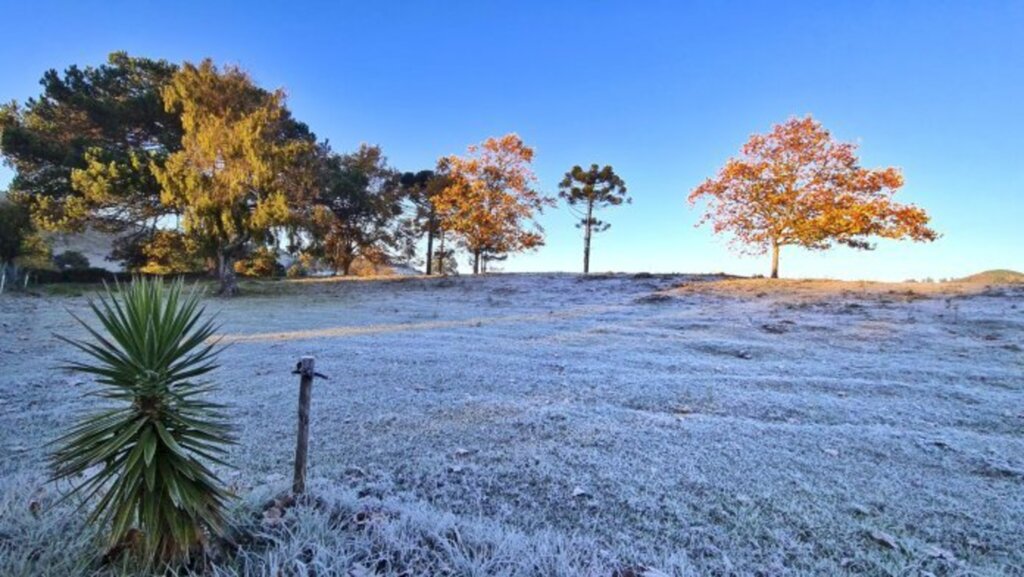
[663,91]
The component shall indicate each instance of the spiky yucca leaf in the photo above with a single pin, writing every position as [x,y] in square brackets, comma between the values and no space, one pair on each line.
[145,459]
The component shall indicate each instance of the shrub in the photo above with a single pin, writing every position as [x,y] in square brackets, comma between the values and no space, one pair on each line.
[171,252]
[262,262]
[71,260]
[150,447]
[84,275]
[296,271]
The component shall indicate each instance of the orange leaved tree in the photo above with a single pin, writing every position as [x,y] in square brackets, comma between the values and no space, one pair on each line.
[798,186]
[489,202]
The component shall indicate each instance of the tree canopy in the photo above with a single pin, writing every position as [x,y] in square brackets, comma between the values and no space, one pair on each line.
[363,197]
[15,226]
[797,186]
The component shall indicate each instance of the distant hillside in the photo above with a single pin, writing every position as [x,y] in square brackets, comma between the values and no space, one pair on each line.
[997,276]
[95,245]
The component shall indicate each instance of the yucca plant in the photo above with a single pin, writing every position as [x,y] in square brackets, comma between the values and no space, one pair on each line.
[144,461]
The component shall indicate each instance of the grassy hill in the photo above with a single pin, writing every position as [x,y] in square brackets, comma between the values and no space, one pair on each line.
[995,276]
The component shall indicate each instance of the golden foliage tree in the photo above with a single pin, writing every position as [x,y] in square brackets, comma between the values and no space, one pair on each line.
[169,252]
[244,166]
[489,202]
[798,186]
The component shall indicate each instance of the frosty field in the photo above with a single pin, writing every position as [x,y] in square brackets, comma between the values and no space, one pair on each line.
[548,424]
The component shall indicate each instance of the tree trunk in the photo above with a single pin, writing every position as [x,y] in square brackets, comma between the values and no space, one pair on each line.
[430,244]
[3,277]
[440,261]
[775,260]
[476,262]
[347,256]
[226,273]
[586,238]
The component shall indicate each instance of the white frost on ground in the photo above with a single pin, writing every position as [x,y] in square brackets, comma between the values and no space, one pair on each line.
[572,426]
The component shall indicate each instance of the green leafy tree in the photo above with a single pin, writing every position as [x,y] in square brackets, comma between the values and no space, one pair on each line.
[144,460]
[15,228]
[20,244]
[245,166]
[363,197]
[586,191]
[83,151]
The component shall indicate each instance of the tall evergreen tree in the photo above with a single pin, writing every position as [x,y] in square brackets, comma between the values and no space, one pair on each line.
[585,191]
[421,188]
[84,150]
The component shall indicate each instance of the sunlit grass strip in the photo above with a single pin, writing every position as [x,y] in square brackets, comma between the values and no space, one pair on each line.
[378,328]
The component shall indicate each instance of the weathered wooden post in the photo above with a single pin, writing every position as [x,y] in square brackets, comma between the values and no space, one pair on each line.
[306,371]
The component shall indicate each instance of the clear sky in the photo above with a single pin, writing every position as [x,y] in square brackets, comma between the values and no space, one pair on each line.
[663,91]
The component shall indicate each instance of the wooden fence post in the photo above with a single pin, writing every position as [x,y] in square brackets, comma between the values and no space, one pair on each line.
[306,370]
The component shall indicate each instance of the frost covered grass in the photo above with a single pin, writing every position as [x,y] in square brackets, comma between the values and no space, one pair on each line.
[550,425]
[340,533]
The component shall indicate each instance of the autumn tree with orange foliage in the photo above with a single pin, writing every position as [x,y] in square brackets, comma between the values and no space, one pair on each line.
[489,202]
[796,186]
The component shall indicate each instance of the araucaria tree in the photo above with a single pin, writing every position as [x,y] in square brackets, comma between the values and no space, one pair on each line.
[420,189]
[245,166]
[489,202]
[588,190]
[797,186]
